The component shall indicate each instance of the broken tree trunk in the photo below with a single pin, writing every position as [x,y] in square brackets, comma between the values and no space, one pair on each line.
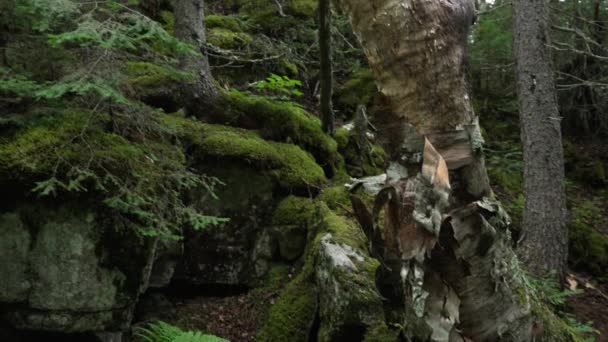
[445,246]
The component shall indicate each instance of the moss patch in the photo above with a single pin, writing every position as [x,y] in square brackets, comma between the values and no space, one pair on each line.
[336,197]
[359,89]
[290,166]
[358,163]
[223,21]
[155,85]
[588,249]
[280,121]
[303,8]
[294,210]
[320,220]
[228,39]
[292,316]
[55,140]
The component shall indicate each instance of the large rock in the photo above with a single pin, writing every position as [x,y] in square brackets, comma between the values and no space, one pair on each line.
[334,295]
[69,268]
[349,303]
[227,254]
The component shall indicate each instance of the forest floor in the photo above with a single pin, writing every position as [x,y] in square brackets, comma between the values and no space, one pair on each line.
[591,306]
[236,315]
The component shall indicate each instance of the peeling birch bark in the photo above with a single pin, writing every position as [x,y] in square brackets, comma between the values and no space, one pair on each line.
[445,248]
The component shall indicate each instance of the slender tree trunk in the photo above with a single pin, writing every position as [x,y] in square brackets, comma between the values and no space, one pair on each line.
[200,96]
[327,113]
[545,242]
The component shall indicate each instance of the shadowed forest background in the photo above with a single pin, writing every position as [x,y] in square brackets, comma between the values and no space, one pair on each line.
[128,198]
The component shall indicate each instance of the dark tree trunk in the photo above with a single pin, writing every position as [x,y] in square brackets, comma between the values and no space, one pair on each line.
[200,96]
[327,113]
[545,240]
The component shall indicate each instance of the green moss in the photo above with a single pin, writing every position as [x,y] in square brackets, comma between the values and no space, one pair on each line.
[374,162]
[320,220]
[287,68]
[508,181]
[359,89]
[292,316]
[228,39]
[230,23]
[146,74]
[293,210]
[35,150]
[359,163]
[289,165]
[281,121]
[554,328]
[302,8]
[276,276]
[381,333]
[168,20]
[588,248]
[148,80]
[337,198]
[342,137]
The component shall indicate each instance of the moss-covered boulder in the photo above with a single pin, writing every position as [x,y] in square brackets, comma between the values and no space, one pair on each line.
[281,121]
[154,85]
[290,233]
[70,268]
[236,252]
[335,283]
[286,164]
[255,173]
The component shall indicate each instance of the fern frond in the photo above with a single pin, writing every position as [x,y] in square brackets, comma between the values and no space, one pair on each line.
[165,332]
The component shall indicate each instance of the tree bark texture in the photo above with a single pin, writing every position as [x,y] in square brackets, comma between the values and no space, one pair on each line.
[545,241]
[200,95]
[416,50]
[327,113]
[445,247]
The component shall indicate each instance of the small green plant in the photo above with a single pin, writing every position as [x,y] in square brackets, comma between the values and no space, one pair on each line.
[165,332]
[547,290]
[280,85]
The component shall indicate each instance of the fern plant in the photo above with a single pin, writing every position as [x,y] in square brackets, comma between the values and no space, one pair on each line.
[280,86]
[164,332]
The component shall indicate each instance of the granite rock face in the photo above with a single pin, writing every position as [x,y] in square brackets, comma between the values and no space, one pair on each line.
[69,269]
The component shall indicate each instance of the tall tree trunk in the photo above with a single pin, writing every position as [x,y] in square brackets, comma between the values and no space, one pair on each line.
[327,113]
[545,242]
[445,247]
[200,96]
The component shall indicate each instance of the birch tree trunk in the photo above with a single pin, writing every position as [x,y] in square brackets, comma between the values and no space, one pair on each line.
[545,241]
[445,246]
[200,96]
